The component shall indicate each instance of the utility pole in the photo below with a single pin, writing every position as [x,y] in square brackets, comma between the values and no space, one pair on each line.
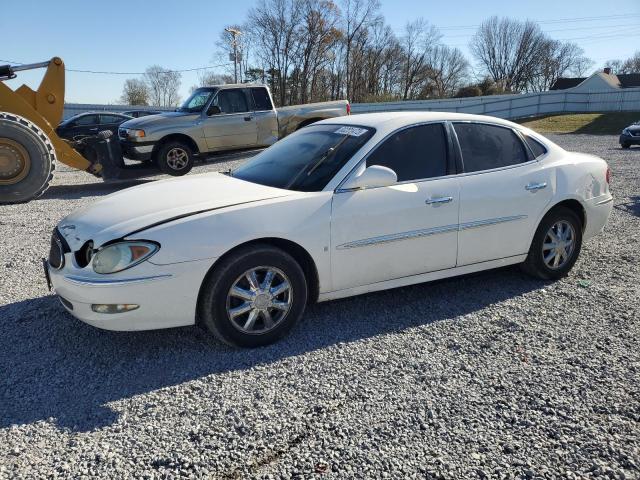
[234,43]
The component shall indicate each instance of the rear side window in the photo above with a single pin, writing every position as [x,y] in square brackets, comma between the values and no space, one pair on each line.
[414,153]
[261,100]
[536,147]
[489,146]
[86,120]
[106,119]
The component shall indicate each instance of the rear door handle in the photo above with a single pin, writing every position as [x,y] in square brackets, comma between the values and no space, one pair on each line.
[438,200]
[532,187]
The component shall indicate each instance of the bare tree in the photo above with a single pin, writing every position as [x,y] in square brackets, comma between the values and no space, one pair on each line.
[275,24]
[630,65]
[163,86]
[448,69]
[357,16]
[209,79]
[135,92]
[558,59]
[419,40]
[509,50]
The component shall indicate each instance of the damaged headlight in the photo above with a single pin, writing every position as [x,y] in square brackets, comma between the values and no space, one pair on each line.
[120,256]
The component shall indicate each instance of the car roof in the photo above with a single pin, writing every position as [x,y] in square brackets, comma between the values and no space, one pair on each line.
[382,121]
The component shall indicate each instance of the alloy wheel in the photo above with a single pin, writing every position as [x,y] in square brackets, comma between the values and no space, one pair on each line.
[177,158]
[558,245]
[259,300]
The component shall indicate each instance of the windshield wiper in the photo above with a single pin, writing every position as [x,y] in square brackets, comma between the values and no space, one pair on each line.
[330,151]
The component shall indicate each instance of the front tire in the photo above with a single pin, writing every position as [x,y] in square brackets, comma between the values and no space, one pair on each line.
[555,246]
[175,159]
[625,145]
[253,297]
[27,159]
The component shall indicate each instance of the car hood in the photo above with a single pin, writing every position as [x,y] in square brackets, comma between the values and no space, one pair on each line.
[158,119]
[635,128]
[134,209]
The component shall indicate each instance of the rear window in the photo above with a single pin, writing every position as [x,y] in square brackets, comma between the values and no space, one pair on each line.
[536,147]
[261,100]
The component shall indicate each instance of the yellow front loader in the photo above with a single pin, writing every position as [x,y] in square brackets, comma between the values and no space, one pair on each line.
[29,145]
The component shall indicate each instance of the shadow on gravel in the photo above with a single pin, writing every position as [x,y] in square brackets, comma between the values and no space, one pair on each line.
[54,366]
[632,206]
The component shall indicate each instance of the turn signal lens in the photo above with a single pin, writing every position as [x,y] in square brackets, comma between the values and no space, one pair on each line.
[120,256]
[113,308]
[136,133]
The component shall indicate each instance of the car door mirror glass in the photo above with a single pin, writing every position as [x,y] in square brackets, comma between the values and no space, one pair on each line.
[373,176]
[214,110]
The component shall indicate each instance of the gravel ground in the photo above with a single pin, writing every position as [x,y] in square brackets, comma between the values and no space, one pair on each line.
[493,375]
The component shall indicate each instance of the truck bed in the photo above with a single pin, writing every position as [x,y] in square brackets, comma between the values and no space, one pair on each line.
[290,118]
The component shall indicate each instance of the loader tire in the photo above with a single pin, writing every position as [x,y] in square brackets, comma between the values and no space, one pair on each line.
[27,159]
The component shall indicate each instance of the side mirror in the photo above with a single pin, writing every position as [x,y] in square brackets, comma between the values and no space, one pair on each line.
[373,176]
[214,110]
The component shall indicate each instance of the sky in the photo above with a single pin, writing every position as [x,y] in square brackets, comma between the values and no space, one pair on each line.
[127,36]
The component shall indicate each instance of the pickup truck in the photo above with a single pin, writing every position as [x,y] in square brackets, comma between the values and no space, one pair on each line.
[214,119]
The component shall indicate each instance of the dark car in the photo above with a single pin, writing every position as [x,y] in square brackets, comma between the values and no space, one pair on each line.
[90,123]
[630,135]
[141,113]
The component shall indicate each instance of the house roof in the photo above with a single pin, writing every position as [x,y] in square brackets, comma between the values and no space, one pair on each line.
[564,83]
[628,80]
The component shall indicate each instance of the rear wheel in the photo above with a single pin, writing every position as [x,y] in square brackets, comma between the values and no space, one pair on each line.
[555,246]
[27,159]
[253,297]
[175,158]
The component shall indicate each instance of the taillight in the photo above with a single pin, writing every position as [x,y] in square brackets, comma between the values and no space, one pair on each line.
[348,108]
[608,176]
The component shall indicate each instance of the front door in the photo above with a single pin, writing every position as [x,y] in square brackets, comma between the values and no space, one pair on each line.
[384,233]
[234,126]
[502,193]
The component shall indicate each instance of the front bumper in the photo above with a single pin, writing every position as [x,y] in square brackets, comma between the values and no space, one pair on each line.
[629,139]
[137,150]
[167,295]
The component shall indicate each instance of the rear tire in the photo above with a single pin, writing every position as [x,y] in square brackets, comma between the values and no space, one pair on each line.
[256,316]
[175,158]
[27,159]
[541,260]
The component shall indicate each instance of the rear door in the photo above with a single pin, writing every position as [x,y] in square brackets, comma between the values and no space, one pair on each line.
[265,116]
[234,126]
[83,126]
[503,192]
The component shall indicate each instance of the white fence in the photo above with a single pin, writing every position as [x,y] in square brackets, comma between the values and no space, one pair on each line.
[504,106]
[71,109]
[521,105]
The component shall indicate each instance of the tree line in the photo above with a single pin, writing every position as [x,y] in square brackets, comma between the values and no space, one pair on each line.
[317,50]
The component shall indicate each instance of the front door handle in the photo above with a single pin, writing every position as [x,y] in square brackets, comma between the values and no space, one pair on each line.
[438,200]
[532,187]
[247,119]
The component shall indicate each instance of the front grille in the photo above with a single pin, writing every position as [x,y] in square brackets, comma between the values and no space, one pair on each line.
[57,250]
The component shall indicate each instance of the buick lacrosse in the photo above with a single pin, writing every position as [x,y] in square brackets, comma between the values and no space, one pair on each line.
[341,207]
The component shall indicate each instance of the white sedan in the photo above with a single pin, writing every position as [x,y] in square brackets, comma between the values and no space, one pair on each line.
[339,208]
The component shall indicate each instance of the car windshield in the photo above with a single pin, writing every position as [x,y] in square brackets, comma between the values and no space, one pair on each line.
[197,100]
[306,160]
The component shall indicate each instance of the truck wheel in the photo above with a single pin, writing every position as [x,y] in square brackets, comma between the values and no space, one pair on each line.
[27,159]
[175,158]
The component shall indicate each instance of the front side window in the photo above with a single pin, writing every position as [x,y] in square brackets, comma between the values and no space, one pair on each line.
[489,146]
[307,160]
[414,153]
[232,101]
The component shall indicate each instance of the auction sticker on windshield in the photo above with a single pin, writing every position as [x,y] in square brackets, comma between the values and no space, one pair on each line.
[351,131]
